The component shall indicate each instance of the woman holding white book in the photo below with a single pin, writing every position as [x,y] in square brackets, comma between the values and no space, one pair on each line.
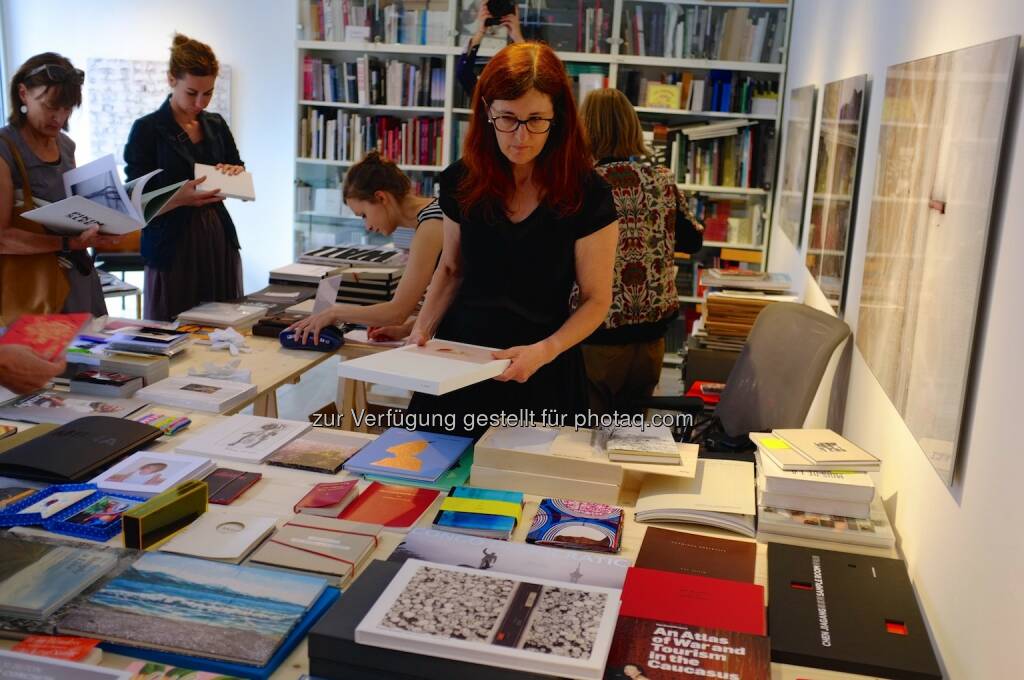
[42,272]
[376,190]
[526,219]
[191,248]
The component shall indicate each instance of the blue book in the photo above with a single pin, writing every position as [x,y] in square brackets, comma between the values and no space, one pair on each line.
[480,512]
[580,525]
[423,456]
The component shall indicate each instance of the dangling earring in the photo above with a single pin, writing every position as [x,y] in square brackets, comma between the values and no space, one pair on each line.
[23,109]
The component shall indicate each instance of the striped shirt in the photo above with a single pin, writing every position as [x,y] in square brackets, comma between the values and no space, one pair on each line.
[431,211]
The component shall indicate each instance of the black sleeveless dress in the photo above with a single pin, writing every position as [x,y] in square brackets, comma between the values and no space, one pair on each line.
[516,287]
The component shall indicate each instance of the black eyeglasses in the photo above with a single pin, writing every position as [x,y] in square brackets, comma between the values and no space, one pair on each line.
[56,73]
[509,123]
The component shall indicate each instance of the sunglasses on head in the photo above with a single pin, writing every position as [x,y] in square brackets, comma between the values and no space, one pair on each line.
[57,73]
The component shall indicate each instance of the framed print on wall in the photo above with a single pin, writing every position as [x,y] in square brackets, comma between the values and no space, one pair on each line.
[796,162]
[834,199]
[928,238]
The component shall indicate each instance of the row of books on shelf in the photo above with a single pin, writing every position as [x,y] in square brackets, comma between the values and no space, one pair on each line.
[411,22]
[729,220]
[719,91]
[368,81]
[341,136]
[742,156]
[328,201]
[693,32]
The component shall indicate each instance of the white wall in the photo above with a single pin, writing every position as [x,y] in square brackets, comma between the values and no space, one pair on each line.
[964,544]
[256,38]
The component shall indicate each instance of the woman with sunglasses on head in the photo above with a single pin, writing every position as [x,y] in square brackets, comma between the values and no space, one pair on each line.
[34,155]
[525,218]
[191,248]
[379,192]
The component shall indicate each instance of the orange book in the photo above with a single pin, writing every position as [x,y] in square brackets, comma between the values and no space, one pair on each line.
[58,647]
[398,507]
[47,334]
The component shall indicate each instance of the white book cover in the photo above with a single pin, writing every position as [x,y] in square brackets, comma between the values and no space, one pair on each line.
[719,486]
[492,618]
[221,536]
[854,487]
[201,394]
[243,438]
[35,667]
[223,314]
[147,473]
[825,447]
[439,367]
[238,186]
[305,272]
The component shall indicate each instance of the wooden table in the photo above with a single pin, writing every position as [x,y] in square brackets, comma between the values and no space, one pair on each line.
[279,489]
[352,393]
[272,366]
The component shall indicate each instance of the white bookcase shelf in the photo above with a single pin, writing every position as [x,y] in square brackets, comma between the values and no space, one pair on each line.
[314,171]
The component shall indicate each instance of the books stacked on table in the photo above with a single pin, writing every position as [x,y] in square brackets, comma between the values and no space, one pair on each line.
[277,298]
[399,453]
[745,279]
[565,523]
[721,495]
[89,352]
[488,513]
[649,445]
[369,285]
[150,340]
[728,317]
[303,274]
[809,486]
[201,394]
[360,256]
[224,315]
[105,383]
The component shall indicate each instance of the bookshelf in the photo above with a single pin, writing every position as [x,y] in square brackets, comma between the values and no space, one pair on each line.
[590,36]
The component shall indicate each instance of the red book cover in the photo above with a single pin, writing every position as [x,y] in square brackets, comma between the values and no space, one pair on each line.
[398,507]
[694,600]
[326,495]
[57,647]
[653,649]
[47,334]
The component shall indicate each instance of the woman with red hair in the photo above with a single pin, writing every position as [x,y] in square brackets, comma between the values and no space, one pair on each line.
[525,218]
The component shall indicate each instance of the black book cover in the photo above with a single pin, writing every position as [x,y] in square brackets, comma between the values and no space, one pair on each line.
[845,612]
[334,653]
[76,451]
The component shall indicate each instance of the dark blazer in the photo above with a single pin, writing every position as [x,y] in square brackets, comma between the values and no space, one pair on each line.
[157,141]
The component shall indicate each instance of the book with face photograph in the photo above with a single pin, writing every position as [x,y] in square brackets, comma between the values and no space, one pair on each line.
[148,473]
[59,408]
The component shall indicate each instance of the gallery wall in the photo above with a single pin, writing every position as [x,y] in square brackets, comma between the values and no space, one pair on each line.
[256,39]
[962,544]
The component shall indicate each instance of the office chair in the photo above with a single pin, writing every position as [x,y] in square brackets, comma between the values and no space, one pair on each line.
[782,379]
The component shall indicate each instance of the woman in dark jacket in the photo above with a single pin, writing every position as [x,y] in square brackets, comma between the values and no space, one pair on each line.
[191,250]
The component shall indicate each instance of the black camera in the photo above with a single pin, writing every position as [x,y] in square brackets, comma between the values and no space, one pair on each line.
[498,9]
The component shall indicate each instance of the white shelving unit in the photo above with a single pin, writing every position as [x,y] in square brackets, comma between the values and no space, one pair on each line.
[320,172]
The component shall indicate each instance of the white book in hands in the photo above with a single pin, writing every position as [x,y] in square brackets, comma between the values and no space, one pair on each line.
[439,367]
[238,186]
[97,198]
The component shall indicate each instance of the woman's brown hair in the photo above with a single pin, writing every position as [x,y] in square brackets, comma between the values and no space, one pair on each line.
[612,126]
[375,173]
[191,57]
[63,83]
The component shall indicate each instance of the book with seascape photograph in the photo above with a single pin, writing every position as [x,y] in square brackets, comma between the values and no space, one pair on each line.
[234,613]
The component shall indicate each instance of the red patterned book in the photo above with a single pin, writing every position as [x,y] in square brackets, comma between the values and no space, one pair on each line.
[695,600]
[47,334]
[327,500]
[397,507]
